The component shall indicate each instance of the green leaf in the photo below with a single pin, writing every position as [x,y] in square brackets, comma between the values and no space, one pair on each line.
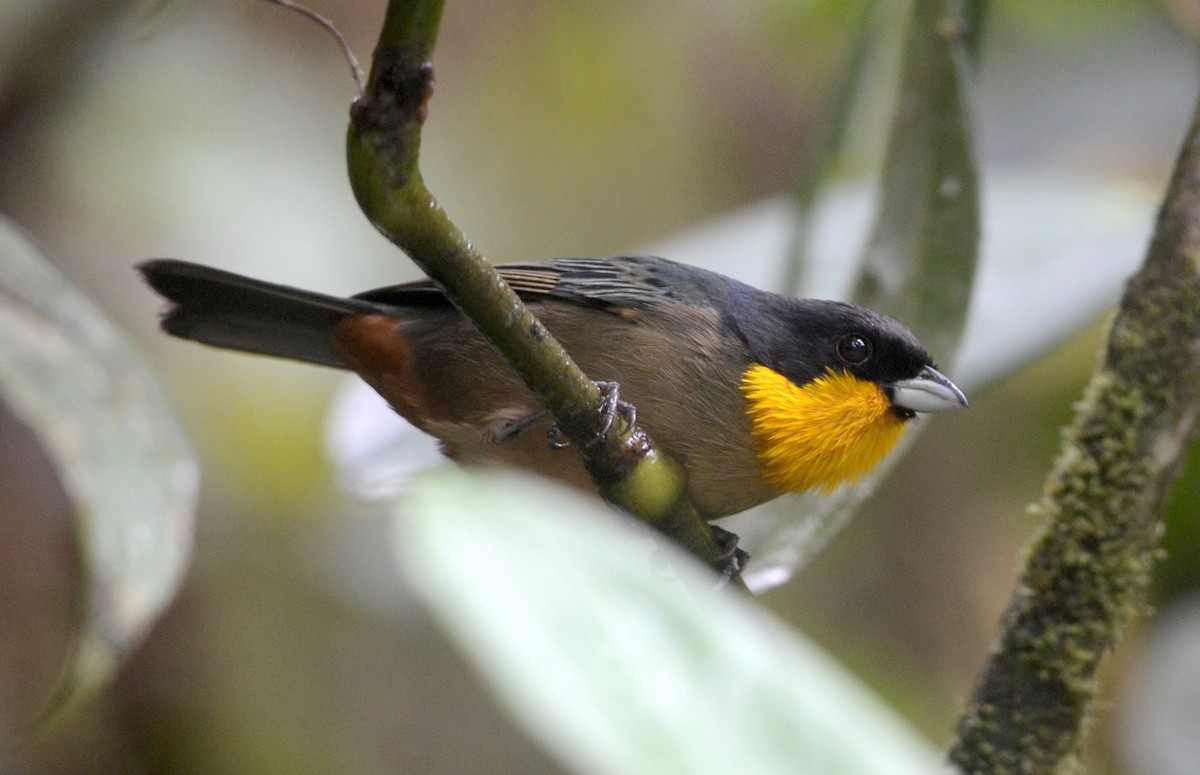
[920,261]
[618,666]
[919,264]
[69,376]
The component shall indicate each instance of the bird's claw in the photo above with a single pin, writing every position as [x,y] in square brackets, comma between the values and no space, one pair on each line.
[732,560]
[611,407]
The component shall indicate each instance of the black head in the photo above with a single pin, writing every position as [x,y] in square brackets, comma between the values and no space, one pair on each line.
[803,339]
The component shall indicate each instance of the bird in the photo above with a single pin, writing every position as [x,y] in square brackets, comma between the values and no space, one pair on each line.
[754,393]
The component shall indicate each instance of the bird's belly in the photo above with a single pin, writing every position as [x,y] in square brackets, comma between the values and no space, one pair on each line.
[717,486]
[685,386]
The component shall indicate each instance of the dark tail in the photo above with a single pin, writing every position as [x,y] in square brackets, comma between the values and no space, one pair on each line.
[227,310]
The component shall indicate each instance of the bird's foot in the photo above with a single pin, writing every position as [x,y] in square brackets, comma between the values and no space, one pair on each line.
[611,408]
[732,560]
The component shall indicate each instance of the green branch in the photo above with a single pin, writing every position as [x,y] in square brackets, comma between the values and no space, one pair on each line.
[1085,574]
[383,145]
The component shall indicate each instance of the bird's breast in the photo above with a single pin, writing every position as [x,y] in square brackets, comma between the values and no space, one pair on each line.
[819,435]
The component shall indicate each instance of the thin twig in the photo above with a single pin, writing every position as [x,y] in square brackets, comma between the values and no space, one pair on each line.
[329,27]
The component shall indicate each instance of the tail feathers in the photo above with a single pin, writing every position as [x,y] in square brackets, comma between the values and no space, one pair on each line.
[227,310]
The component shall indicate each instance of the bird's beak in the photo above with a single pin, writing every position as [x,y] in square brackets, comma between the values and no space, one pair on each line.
[929,391]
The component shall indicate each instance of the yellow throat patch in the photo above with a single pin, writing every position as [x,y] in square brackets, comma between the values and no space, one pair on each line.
[820,435]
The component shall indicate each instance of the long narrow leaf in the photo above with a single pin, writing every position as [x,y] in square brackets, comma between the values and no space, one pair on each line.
[102,420]
[920,262]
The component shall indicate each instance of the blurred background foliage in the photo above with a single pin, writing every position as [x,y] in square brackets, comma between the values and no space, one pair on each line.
[213,131]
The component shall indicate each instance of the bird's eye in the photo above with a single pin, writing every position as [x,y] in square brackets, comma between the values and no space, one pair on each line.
[854,349]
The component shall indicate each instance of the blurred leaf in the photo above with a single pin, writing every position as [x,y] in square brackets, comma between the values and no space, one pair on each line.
[974,15]
[373,450]
[1156,716]
[618,668]
[920,261]
[919,264]
[69,375]
[1178,573]
[822,150]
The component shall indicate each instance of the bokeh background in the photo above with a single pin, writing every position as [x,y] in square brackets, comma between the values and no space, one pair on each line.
[213,131]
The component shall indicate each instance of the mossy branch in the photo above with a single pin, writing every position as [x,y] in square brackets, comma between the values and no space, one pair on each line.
[383,144]
[1085,573]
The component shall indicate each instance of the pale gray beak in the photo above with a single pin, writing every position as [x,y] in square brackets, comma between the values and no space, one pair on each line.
[929,391]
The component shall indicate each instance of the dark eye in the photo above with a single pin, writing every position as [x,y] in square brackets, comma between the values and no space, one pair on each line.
[854,349]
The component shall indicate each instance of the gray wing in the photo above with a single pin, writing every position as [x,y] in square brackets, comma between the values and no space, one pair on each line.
[622,281]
